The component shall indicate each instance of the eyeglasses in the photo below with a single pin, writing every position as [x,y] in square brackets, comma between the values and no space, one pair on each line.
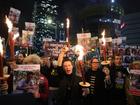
[95,62]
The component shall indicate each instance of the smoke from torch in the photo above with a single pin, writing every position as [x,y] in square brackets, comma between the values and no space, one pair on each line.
[79,50]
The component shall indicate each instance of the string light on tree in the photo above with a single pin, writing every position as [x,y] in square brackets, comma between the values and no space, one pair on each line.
[43,11]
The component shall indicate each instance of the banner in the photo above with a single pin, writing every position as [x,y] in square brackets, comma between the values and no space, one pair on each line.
[52,49]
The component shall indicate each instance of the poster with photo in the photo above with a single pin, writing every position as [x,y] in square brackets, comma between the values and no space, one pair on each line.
[27,37]
[26,78]
[94,42]
[108,47]
[84,40]
[130,53]
[14,15]
[134,87]
[15,31]
[29,26]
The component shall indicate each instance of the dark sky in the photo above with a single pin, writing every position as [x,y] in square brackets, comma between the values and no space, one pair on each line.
[130,6]
[26,6]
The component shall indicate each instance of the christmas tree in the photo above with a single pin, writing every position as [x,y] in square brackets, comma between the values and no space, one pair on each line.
[44,16]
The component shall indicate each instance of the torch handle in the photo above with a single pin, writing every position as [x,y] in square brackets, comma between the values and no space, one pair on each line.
[104,54]
[81,67]
[1,66]
[11,44]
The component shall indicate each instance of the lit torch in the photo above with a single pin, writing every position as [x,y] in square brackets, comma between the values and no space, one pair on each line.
[67,30]
[12,38]
[79,50]
[3,78]
[1,58]
[104,44]
[104,48]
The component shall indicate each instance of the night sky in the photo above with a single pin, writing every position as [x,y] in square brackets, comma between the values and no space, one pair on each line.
[26,6]
[130,6]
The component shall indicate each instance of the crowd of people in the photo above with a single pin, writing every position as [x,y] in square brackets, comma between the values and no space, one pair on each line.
[59,82]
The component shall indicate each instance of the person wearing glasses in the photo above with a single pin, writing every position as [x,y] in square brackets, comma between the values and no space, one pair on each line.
[95,94]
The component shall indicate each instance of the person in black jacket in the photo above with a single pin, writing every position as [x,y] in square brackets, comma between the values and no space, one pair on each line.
[96,95]
[118,76]
[69,92]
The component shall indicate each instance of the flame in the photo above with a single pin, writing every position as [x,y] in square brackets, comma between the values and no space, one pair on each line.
[103,38]
[79,50]
[1,46]
[67,23]
[9,24]
[15,36]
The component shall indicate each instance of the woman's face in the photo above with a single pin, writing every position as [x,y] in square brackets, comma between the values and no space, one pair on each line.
[95,64]
[68,67]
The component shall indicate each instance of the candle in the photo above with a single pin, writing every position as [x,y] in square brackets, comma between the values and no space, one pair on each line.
[11,38]
[79,50]
[81,67]
[104,45]
[67,29]
[1,58]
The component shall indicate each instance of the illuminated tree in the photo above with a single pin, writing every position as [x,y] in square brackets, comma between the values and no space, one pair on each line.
[44,11]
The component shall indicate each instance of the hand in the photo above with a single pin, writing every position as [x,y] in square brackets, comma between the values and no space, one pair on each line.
[64,49]
[85,91]
[106,71]
[13,65]
[107,77]
[36,94]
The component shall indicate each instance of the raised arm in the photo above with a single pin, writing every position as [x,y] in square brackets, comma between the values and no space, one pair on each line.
[61,55]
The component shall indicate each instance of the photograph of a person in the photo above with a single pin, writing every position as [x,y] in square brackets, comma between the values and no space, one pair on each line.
[25,81]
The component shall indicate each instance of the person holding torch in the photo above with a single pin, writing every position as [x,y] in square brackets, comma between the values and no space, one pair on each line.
[69,92]
[96,94]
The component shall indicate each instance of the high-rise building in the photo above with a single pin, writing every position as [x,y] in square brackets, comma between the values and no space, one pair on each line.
[130,28]
[102,14]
